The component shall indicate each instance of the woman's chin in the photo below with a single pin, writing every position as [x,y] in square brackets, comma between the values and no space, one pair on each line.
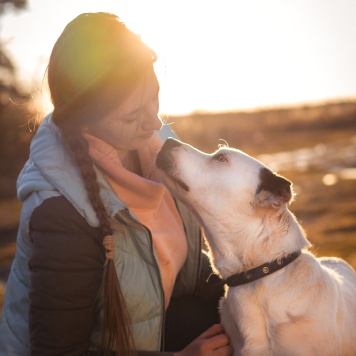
[141,141]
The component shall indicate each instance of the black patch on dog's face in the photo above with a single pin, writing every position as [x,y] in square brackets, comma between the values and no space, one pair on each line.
[275,184]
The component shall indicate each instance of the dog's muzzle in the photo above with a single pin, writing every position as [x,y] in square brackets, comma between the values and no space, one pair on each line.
[165,161]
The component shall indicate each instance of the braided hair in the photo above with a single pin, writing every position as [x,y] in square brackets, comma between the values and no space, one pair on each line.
[94,65]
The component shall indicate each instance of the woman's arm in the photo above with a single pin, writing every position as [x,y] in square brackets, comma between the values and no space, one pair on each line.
[66,266]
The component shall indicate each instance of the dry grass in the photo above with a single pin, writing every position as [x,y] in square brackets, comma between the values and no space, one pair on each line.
[10,210]
[2,295]
[327,214]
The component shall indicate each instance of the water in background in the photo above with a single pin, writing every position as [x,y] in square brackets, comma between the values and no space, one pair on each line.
[337,160]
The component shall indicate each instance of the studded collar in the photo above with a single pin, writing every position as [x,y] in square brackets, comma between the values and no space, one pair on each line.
[254,274]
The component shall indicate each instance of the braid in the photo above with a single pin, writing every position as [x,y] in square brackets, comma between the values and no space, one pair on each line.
[95,64]
[117,333]
[79,147]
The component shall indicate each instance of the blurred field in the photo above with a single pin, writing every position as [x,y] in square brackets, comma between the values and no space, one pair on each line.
[314,147]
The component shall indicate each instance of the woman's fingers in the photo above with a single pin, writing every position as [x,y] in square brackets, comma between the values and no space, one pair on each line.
[216,342]
[212,342]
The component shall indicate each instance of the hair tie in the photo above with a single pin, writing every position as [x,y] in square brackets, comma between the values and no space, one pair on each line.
[108,243]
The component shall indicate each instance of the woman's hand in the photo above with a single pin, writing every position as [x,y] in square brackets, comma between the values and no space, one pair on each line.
[212,342]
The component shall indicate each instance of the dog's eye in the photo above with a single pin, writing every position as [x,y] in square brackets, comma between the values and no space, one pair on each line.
[220,157]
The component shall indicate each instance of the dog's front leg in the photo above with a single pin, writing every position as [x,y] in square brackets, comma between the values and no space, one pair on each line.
[231,329]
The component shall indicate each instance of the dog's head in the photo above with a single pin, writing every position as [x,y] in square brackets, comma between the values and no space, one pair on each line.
[226,177]
[240,203]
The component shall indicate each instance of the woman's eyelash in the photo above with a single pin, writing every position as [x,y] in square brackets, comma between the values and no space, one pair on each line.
[131,118]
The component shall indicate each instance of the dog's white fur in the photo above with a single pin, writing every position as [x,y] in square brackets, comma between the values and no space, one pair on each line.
[307,307]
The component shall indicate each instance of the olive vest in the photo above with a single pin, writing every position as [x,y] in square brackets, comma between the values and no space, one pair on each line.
[50,171]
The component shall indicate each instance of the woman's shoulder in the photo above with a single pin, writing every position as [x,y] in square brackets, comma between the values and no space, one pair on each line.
[56,229]
[57,213]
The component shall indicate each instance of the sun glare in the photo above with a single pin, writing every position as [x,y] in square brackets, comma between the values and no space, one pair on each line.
[231,55]
[218,56]
[196,57]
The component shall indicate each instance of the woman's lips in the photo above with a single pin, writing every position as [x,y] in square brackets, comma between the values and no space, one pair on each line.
[149,135]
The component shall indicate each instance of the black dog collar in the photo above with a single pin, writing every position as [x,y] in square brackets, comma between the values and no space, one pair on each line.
[254,274]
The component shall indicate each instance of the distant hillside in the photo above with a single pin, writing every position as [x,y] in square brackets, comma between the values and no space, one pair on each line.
[266,130]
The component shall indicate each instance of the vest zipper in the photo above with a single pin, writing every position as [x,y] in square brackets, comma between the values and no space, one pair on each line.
[158,270]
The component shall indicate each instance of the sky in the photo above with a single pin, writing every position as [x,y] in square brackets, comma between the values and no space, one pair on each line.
[217,56]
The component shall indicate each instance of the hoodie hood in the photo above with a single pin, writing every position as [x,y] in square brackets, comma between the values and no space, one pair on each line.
[51,171]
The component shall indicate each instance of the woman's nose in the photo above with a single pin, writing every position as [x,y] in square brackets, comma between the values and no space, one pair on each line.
[150,119]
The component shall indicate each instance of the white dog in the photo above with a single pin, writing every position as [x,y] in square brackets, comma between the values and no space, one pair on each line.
[280,299]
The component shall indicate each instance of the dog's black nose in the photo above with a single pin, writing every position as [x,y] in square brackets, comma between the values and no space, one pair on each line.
[163,158]
[170,143]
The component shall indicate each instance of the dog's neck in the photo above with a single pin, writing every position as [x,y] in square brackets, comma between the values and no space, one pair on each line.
[254,274]
[249,243]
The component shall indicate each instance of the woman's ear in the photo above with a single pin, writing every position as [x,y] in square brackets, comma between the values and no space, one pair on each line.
[273,190]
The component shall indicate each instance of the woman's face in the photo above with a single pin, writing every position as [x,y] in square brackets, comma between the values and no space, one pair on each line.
[132,124]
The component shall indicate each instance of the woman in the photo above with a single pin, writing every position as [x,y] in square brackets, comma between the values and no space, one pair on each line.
[106,260]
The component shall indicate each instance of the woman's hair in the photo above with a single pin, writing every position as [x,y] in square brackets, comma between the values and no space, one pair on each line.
[95,64]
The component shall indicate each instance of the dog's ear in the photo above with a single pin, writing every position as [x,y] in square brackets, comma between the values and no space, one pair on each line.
[273,190]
